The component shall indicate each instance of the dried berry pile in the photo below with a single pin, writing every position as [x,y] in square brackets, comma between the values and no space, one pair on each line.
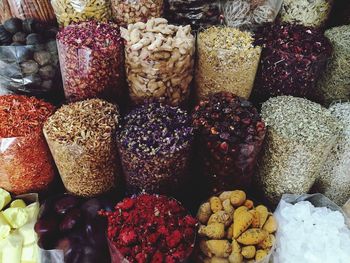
[292,60]
[25,161]
[91,58]
[150,228]
[155,147]
[231,134]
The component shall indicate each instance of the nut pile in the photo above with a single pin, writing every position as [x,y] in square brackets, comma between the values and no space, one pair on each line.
[227,60]
[26,164]
[292,61]
[81,137]
[132,11]
[231,134]
[155,146]
[335,82]
[313,13]
[300,135]
[73,11]
[159,61]
[234,230]
[334,179]
[91,58]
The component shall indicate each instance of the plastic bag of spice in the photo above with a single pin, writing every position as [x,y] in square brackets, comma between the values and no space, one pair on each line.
[91,59]
[247,14]
[230,134]
[227,60]
[155,146]
[300,135]
[73,11]
[82,141]
[131,11]
[26,164]
[159,60]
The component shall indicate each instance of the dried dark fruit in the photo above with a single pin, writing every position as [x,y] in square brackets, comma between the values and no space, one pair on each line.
[71,220]
[16,44]
[13,25]
[23,53]
[28,25]
[29,67]
[46,226]
[5,36]
[34,39]
[66,203]
[19,37]
[42,57]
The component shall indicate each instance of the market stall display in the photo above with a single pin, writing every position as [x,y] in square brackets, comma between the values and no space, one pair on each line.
[28,59]
[292,61]
[155,146]
[159,60]
[227,60]
[300,135]
[91,59]
[167,234]
[26,164]
[234,229]
[81,137]
[230,133]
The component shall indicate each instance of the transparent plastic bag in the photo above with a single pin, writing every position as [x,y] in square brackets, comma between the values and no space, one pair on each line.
[72,11]
[30,70]
[26,164]
[131,11]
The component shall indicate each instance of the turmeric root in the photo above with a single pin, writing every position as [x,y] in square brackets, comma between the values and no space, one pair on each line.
[239,209]
[263,214]
[219,260]
[235,246]
[219,248]
[235,257]
[228,207]
[220,217]
[225,195]
[271,225]
[253,236]
[241,223]
[229,234]
[204,213]
[215,204]
[260,254]
[248,252]
[215,230]
[268,242]
[249,204]
[256,218]
[238,198]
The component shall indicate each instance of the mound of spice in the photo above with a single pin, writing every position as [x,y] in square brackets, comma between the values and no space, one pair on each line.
[155,145]
[231,134]
[300,135]
[335,83]
[227,60]
[91,59]
[26,164]
[150,228]
[81,137]
[292,61]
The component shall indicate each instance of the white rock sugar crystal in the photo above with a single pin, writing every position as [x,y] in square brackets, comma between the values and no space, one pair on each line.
[308,234]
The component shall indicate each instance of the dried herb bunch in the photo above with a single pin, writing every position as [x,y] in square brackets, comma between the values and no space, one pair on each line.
[300,135]
[231,134]
[334,179]
[91,59]
[250,13]
[292,60]
[227,60]
[155,145]
[25,161]
[312,13]
[81,137]
[335,83]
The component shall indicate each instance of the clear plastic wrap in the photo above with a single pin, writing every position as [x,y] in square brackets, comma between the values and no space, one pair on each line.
[126,12]
[30,70]
[73,11]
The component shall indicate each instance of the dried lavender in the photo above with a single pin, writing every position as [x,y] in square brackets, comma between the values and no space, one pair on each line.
[231,134]
[334,179]
[300,135]
[155,145]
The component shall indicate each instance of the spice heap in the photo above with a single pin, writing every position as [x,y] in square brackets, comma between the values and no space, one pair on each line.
[334,179]
[159,61]
[155,147]
[91,58]
[166,234]
[197,13]
[335,83]
[313,13]
[73,227]
[25,161]
[232,229]
[81,137]
[250,13]
[127,12]
[17,218]
[292,61]
[72,11]
[299,138]
[28,57]
[231,134]
[227,60]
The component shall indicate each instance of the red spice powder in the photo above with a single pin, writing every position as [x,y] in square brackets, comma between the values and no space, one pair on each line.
[150,228]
